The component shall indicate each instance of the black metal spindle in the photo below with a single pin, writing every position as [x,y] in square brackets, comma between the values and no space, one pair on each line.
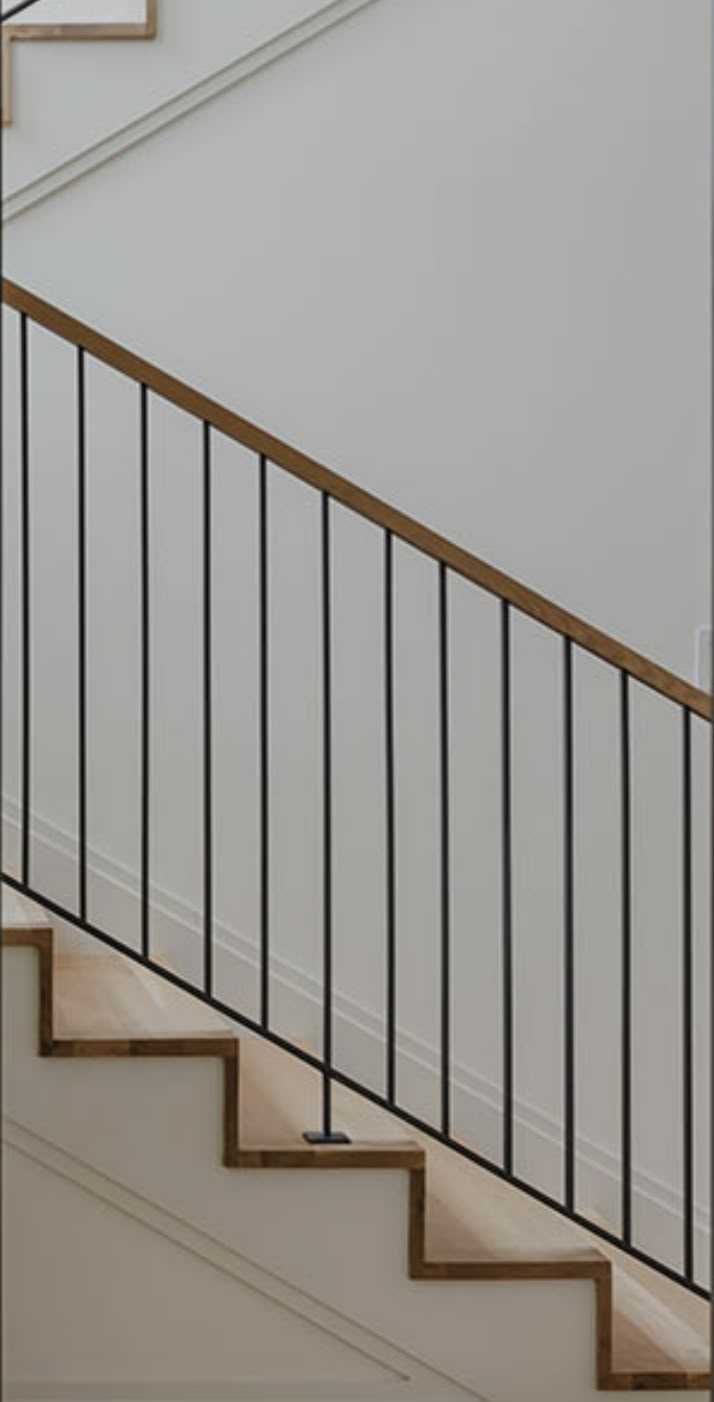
[145,664]
[445,852]
[26,705]
[390,825]
[263,742]
[626,995]
[569,937]
[2,681]
[327,1066]
[687,995]
[506,888]
[81,634]
[327,817]
[326,1135]
[207,719]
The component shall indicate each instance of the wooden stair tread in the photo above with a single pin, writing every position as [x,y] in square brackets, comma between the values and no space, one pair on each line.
[469,1224]
[470,1213]
[104,995]
[654,1336]
[657,1325]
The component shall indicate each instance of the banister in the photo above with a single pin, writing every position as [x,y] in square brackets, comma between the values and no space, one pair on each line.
[362,502]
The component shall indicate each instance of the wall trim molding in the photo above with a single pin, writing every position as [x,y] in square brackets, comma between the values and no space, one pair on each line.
[218,82]
[409,1378]
[418,1060]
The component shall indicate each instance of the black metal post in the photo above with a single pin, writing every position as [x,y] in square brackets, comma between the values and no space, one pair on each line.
[626,1016]
[506,888]
[687,999]
[569,937]
[326,1135]
[263,743]
[145,665]
[82,635]
[26,714]
[445,853]
[390,823]
[207,720]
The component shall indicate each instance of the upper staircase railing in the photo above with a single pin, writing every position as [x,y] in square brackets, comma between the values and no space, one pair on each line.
[450,560]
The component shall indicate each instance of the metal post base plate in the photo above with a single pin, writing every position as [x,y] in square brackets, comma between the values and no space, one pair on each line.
[316,1136]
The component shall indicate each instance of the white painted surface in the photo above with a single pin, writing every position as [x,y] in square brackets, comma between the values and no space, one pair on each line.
[703,657]
[278,1330]
[84,12]
[477,282]
[120,83]
[98,1296]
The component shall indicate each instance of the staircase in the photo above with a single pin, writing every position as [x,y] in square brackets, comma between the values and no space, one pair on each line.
[33,31]
[475,1226]
[459,1226]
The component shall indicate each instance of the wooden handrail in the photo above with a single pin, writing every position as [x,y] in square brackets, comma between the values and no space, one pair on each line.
[462,562]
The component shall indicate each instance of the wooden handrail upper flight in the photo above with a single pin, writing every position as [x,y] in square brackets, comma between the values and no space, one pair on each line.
[356,499]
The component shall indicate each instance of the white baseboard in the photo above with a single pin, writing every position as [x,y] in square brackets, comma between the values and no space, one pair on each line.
[296,1000]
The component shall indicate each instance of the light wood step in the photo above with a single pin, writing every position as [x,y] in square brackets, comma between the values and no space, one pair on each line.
[465,1223]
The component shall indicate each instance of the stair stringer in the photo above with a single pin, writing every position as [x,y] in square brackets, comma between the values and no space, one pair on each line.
[537,1345]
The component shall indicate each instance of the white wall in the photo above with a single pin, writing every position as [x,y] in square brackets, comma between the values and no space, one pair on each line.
[85,11]
[459,252]
[121,82]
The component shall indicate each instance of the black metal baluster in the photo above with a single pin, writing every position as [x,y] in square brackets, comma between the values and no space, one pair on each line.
[445,853]
[26,711]
[326,1135]
[626,1015]
[2,688]
[687,994]
[507,888]
[390,830]
[264,777]
[145,664]
[569,938]
[207,721]
[82,634]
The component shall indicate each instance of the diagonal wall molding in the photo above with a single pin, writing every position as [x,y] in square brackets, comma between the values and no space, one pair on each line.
[220,81]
